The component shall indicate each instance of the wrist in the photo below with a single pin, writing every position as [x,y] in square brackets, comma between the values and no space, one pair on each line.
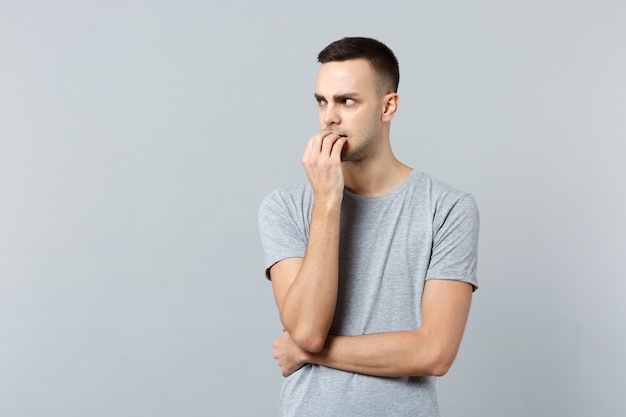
[328,202]
[307,357]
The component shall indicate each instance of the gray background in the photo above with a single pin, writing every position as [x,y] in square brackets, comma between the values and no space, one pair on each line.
[137,139]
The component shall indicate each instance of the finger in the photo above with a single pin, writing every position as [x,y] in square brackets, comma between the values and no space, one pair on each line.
[328,142]
[337,147]
[314,145]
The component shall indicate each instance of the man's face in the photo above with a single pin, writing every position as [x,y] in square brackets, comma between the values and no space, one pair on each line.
[350,104]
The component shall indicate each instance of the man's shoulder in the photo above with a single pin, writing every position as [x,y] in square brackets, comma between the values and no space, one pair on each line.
[442,198]
[293,191]
[436,187]
[292,196]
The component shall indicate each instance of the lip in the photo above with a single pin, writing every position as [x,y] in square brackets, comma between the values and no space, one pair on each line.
[338,132]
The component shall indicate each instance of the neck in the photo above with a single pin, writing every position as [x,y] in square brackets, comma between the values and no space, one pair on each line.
[376,177]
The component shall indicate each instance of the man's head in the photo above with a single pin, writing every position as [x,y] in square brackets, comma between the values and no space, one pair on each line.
[356,95]
[380,57]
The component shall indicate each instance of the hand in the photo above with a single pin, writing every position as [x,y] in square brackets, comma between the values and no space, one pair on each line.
[322,163]
[288,355]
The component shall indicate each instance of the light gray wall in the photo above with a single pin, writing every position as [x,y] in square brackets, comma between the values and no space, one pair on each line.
[137,139]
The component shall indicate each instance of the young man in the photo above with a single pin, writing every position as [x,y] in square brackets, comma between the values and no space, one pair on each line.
[373,264]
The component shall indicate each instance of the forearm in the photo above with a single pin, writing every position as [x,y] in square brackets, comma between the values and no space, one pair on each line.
[391,354]
[306,289]
[429,350]
[309,305]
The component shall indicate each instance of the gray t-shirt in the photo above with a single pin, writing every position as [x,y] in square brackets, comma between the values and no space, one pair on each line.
[389,246]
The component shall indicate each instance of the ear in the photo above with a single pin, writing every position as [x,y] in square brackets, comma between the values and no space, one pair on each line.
[390,105]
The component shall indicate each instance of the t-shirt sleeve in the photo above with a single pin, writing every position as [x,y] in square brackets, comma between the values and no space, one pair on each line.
[282,236]
[455,242]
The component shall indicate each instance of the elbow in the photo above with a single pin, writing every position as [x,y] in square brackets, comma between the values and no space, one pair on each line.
[441,362]
[312,342]
[306,337]
[310,337]
[440,368]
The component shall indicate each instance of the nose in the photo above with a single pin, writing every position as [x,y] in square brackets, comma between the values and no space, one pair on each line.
[330,116]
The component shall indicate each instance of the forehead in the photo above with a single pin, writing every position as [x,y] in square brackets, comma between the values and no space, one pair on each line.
[355,75]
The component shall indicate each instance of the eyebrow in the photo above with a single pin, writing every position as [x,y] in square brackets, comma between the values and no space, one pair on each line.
[338,98]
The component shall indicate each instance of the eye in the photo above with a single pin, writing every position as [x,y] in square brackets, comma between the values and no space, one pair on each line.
[349,102]
[321,102]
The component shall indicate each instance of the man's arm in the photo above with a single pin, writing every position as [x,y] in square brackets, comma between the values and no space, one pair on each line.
[429,350]
[305,289]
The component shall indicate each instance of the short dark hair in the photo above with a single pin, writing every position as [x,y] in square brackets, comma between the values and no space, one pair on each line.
[380,57]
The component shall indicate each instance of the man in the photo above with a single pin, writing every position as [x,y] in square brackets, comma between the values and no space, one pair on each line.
[372,263]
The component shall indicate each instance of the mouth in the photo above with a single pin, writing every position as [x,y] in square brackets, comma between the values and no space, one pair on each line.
[338,132]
